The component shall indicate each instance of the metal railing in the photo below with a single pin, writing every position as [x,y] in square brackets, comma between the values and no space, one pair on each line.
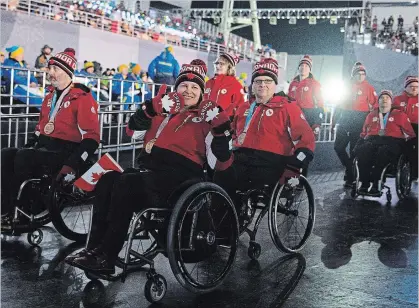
[162,34]
[20,105]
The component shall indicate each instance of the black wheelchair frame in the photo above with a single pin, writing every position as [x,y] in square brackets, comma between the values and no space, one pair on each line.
[50,195]
[151,221]
[401,171]
[272,201]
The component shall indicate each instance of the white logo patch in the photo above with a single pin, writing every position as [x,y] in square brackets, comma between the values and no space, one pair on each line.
[66,104]
[359,92]
[374,119]
[211,114]
[375,93]
[269,112]
[293,88]
[305,89]
[196,120]
[223,91]
[391,119]
[93,109]
[207,90]
[402,104]
[49,103]
[302,116]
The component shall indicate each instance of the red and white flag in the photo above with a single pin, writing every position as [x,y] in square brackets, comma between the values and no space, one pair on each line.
[89,179]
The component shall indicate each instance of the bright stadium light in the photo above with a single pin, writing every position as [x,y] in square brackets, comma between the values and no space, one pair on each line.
[334,92]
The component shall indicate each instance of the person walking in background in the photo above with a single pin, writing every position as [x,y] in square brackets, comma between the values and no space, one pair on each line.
[164,68]
[224,88]
[408,102]
[351,116]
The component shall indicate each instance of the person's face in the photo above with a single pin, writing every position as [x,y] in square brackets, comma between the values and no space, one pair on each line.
[90,69]
[412,89]
[263,87]
[221,66]
[385,102]
[360,76]
[58,77]
[190,91]
[124,71]
[19,57]
[47,51]
[1,59]
[304,69]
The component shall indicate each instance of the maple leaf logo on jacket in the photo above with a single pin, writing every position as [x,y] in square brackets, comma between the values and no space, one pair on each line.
[167,103]
[211,114]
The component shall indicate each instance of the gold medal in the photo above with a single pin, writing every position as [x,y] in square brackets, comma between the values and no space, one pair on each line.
[150,145]
[382,132]
[241,138]
[49,128]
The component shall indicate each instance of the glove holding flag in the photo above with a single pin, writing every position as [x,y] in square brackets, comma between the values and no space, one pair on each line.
[219,121]
[89,179]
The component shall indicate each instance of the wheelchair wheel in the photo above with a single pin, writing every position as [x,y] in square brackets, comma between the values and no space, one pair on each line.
[202,237]
[291,215]
[155,288]
[70,213]
[403,177]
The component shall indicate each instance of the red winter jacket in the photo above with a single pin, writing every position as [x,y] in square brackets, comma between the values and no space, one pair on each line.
[77,118]
[398,125]
[306,92]
[184,142]
[277,127]
[226,91]
[408,104]
[363,98]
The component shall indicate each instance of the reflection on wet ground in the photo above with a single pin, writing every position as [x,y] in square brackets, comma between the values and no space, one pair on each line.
[362,253]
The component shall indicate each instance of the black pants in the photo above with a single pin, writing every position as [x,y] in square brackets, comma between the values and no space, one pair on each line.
[119,195]
[413,152]
[313,116]
[20,165]
[240,176]
[343,138]
[372,158]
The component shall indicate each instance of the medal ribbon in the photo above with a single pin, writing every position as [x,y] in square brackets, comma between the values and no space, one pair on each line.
[56,105]
[383,120]
[249,117]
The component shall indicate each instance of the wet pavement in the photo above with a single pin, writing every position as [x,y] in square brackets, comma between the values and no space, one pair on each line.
[362,253]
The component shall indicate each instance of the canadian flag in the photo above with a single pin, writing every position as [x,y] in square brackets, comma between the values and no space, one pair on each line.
[89,179]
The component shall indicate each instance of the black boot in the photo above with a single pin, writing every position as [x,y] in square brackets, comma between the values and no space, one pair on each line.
[96,263]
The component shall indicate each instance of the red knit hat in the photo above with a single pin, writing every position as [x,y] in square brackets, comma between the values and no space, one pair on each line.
[194,73]
[201,63]
[386,92]
[267,67]
[65,60]
[358,67]
[232,59]
[307,60]
[409,80]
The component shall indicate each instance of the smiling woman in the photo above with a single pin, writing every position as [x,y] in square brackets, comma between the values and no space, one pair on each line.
[180,139]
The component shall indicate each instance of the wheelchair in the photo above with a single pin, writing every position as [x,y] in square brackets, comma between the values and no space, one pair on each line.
[400,170]
[40,201]
[199,236]
[283,201]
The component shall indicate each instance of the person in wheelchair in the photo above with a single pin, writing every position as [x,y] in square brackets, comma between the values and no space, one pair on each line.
[269,133]
[408,102]
[381,142]
[177,143]
[66,135]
